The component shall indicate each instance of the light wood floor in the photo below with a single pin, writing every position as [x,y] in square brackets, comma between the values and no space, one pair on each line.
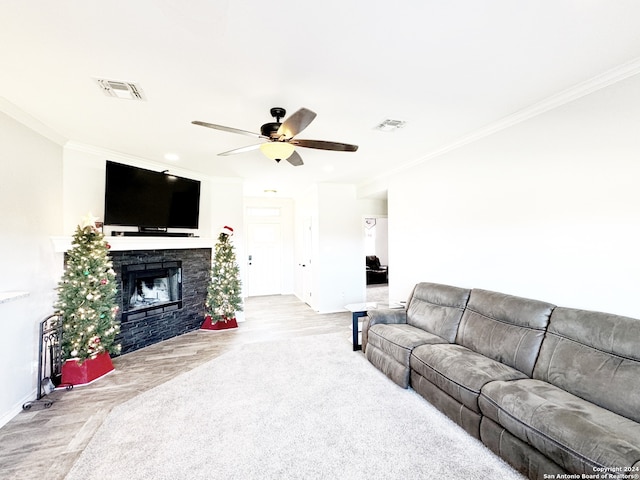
[44,444]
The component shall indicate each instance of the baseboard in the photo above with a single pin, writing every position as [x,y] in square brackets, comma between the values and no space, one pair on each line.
[16,409]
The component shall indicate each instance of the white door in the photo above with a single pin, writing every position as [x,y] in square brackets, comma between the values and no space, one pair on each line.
[264,260]
[306,262]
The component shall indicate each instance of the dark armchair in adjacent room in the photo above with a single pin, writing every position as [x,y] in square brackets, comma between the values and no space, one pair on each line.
[376,273]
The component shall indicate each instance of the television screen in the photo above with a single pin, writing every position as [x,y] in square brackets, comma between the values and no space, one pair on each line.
[144,198]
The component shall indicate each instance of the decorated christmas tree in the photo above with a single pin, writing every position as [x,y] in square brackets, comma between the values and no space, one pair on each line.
[223,294]
[86,296]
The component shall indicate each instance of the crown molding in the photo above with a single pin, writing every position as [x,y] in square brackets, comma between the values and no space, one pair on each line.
[31,122]
[563,97]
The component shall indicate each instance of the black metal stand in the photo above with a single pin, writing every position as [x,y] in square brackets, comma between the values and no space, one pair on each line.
[355,316]
[49,362]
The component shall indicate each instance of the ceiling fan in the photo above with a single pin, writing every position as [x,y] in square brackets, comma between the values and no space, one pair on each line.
[280,142]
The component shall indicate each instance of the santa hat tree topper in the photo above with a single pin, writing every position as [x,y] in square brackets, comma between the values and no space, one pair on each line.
[223,293]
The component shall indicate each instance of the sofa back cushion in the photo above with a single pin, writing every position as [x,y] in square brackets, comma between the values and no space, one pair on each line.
[595,356]
[505,328]
[437,308]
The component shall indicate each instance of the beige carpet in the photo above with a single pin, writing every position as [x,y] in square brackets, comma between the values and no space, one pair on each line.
[378,293]
[309,408]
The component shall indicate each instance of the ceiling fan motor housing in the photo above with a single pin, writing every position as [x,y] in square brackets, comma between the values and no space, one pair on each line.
[270,130]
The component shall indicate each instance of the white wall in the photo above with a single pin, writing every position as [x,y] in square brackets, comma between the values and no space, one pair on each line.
[305,216]
[30,212]
[546,209]
[382,240]
[337,219]
[377,238]
[338,268]
[84,175]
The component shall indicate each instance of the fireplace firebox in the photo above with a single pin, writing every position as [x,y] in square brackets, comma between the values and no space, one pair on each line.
[151,288]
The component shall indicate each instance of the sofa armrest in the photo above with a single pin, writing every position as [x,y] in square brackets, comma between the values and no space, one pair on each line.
[382,316]
[387,315]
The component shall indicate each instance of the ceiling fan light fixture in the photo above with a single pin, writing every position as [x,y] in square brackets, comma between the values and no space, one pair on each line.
[277,150]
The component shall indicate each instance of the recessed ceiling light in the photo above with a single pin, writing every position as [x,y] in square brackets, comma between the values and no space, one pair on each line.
[171,157]
[389,125]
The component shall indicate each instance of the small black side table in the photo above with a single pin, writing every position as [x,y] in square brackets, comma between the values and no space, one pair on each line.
[359,310]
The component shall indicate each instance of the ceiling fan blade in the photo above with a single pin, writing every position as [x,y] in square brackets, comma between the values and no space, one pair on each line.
[240,150]
[296,123]
[295,159]
[227,129]
[324,145]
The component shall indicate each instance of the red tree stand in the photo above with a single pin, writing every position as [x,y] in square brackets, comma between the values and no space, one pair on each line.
[90,370]
[223,324]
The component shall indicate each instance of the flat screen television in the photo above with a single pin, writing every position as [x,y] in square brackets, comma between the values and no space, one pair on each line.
[146,199]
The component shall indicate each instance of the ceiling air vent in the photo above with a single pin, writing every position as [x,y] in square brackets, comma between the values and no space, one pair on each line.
[390,125]
[115,88]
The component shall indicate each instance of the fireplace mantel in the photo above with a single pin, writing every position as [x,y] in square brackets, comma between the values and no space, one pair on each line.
[62,244]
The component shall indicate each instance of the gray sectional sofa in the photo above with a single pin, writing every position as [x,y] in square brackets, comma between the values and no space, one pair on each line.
[552,390]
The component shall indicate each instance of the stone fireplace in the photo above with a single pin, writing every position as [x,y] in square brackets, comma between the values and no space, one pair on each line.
[162,293]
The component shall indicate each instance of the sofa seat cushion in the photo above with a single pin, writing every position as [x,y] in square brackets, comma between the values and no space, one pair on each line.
[574,433]
[459,372]
[398,340]
[389,347]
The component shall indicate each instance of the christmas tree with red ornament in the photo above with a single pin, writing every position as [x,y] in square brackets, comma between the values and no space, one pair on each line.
[86,296]
[223,294]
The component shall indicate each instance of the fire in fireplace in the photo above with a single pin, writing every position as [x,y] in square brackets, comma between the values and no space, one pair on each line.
[151,288]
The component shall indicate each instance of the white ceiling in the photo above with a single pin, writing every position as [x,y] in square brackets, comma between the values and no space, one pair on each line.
[449,69]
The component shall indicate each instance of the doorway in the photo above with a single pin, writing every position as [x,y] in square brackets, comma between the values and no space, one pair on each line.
[376,243]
